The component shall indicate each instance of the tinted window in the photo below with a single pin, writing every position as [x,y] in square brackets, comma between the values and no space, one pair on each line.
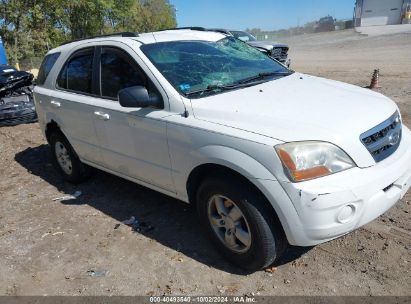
[46,66]
[118,71]
[77,73]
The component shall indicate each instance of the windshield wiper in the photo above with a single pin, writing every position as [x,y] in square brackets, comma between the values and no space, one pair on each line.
[212,87]
[262,76]
[238,84]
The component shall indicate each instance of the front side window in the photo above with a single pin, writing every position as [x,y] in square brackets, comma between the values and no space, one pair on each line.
[76,74]
[118,71]
[46,66]
[193,66]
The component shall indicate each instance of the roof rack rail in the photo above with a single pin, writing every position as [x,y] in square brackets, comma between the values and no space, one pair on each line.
[121,34]
[193,28]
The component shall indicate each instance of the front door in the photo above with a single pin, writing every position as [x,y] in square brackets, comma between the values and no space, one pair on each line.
[133,141]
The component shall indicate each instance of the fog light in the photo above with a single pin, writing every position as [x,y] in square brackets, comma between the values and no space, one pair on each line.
[346,214]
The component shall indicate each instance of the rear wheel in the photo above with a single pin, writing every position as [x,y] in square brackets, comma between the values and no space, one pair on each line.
[66,160]
[239,222]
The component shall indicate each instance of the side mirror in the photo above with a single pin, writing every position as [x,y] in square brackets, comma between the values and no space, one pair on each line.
[138,97]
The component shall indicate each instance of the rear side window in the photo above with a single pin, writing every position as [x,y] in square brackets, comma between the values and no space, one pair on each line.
[118,71]
[46,66]
[76,74]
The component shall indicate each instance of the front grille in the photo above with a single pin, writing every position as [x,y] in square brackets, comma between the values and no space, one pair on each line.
[284,52]
[384,139]
[279,53]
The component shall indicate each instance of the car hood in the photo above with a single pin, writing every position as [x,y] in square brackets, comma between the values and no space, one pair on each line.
[268,45]
[301,107]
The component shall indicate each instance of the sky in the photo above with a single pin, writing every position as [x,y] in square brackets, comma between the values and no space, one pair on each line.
[263,14]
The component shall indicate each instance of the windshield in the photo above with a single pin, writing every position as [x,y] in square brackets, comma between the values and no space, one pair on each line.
[192,66]
[244,36]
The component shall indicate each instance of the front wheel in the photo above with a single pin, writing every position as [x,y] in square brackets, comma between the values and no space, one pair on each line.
[239,222]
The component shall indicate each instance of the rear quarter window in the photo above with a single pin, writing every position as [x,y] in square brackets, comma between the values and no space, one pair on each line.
[76,74]
[46,66]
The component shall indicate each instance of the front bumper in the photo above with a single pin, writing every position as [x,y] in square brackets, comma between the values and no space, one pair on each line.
[17,110]
[328,207]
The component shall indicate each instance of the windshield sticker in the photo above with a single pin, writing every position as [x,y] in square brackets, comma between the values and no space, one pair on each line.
[185,87]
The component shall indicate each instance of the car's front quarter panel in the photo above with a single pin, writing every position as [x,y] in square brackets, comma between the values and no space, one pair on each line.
[193,143]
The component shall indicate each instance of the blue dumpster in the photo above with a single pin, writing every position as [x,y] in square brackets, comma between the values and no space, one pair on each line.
[3,57]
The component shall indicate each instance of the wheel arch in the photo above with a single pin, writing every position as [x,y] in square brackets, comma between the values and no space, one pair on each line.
[219,159]
[53,124]
[201,172]
[51,127]
[216,159]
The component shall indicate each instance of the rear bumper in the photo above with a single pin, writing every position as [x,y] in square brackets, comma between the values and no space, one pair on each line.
[328,207]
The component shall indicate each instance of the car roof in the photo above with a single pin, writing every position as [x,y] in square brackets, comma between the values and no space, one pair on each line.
[148,38]
[221,30]
[179,35]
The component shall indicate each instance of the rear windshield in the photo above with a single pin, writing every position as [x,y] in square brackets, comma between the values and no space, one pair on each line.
[243,36]
[46,66]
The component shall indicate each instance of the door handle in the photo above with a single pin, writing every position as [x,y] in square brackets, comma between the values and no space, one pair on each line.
[55,104]
[101,115]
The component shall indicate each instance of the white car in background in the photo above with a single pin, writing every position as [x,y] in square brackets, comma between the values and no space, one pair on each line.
[269,157]
[278,51]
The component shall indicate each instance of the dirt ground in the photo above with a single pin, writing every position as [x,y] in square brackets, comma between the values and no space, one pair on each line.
[75,247]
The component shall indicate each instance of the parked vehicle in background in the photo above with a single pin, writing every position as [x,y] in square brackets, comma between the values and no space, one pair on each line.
[325,24]
[268,156]
[12,81]
[16,101]
[278,51]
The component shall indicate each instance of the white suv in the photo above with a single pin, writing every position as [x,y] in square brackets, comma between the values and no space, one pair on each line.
[269,157]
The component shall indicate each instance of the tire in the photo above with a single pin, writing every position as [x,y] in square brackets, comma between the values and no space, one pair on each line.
[266,240]
[66,160]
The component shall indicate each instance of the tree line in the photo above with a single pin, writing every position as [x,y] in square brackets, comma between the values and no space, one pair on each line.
[30,28]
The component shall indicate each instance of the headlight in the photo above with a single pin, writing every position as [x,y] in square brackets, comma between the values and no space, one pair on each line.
[312,159]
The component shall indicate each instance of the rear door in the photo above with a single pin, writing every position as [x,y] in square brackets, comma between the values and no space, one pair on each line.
[133,141]
[72,102]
